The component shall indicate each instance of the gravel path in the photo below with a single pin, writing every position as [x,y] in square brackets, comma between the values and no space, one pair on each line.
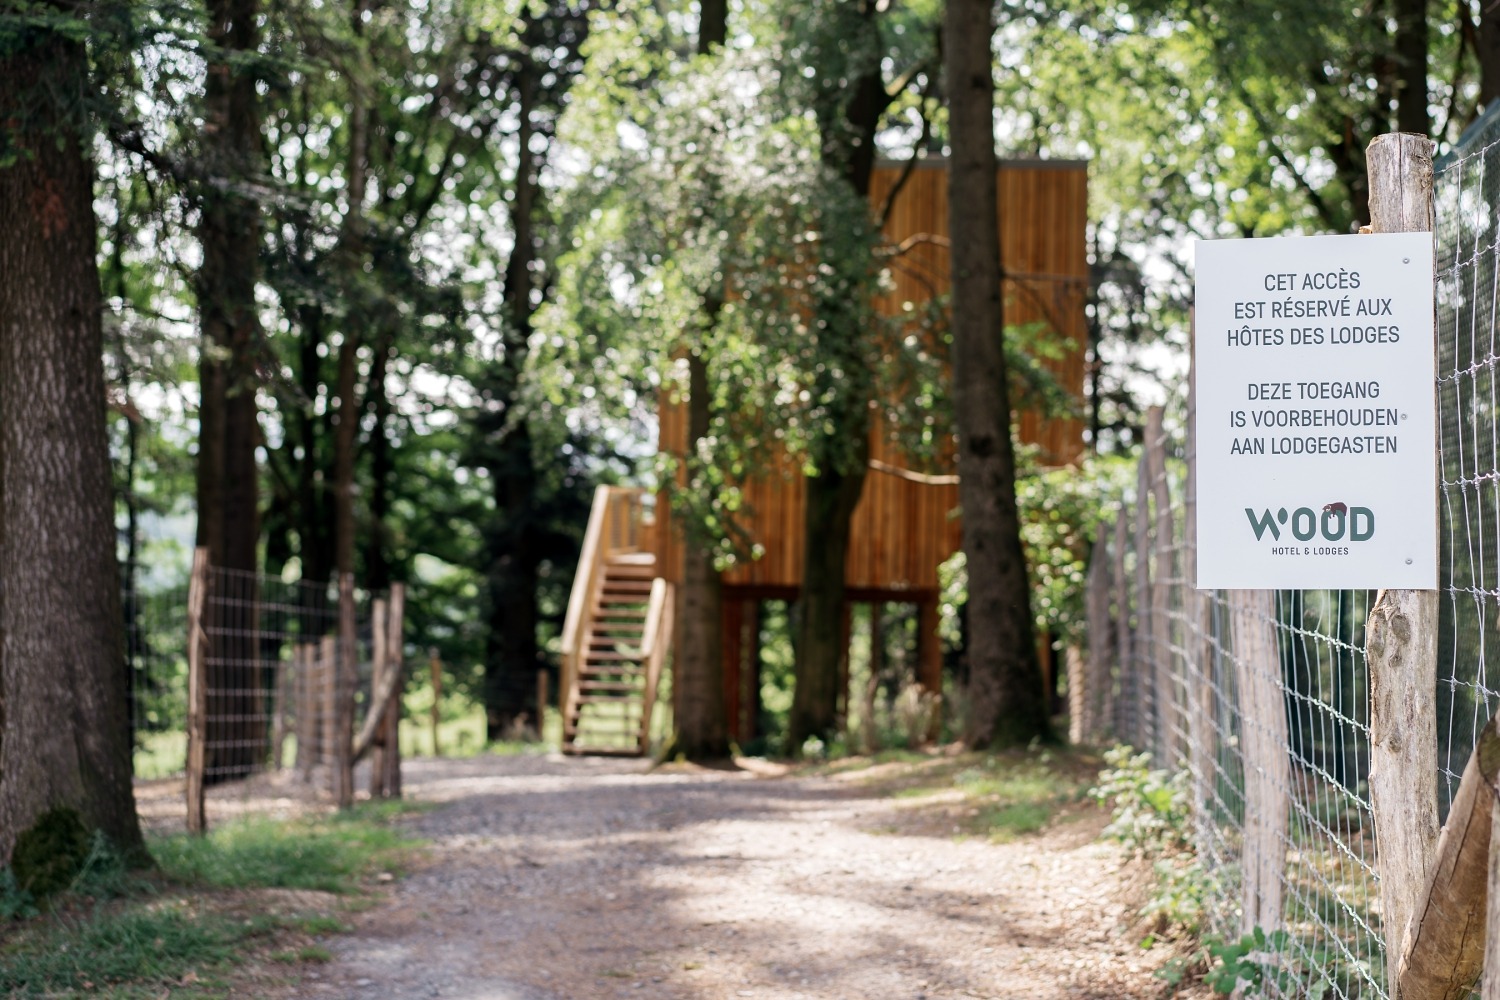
[560,879]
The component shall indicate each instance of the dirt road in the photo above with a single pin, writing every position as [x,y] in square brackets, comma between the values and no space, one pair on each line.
[562,879]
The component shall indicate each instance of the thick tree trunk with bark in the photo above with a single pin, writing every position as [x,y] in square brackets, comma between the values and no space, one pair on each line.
[64,740]
[831,499]
[1007,704]
[228,504]
[1410,46]
[1489,52]
[511,654]
[848,148]
[697,654]
[698,659]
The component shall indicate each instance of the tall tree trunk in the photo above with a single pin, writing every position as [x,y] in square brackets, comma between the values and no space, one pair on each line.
[1007,704]
[1489,52]
[1410,46]
[697,657]
[378,545]
[65,742]
[511,647]
[842,454]
[831,498]
[228,504]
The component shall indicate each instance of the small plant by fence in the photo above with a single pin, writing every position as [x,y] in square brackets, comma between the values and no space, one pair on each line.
[240,676]
[1320,756]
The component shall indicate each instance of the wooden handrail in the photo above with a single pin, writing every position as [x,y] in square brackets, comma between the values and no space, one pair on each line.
[658,631]
[576,622]
[611,530]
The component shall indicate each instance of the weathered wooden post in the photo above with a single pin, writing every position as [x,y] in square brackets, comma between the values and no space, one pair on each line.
[197,722]
[328,698]
[1263,749]
[437,696]
[378,638]
[1127,705]
[1401,635]
[541,703]
[1198,641]
[1168,729]
[1143,642]
[1085,722]
[395,646]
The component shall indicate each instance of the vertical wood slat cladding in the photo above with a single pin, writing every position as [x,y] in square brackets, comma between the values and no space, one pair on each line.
[902,529]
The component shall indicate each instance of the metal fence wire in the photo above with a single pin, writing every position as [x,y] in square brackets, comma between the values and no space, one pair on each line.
[1261,700]
[271,650]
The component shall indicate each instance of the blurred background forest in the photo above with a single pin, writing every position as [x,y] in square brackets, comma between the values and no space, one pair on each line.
[498,232]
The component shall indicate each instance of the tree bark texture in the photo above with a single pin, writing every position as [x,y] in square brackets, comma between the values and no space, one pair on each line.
[1263,750]
[1401,635]
[831,499]
[698,659]
[227,478]
[511,656]
[1006,702]
[65,737]
[1410,46]
[697,656]
[1488,45]
[1444,946]
[841,454]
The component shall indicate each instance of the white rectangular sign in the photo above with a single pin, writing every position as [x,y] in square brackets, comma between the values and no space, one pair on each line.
[1315,396]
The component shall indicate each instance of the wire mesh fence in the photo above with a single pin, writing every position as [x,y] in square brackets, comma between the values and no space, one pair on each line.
[1262,699]
[290,693]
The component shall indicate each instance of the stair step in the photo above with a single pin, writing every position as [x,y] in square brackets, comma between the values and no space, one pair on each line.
[625,686]
[602,751]
[630,571]
[631,559]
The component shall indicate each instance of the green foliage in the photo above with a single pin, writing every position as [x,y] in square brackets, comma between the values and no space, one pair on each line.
[1061,511]
[1181,896]
[331,855]
[1152,808]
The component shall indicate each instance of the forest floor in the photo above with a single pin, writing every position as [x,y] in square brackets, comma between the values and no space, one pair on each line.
[551,878]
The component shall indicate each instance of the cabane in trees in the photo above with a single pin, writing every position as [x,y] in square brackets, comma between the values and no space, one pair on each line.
[903,526]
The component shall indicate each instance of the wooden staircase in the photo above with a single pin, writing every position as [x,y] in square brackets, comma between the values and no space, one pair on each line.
[616,636]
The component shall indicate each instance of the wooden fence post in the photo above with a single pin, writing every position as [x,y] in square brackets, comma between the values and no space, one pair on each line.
[279,722]
[541,703]
[305,658]
[437,697]
[1142,642]
[328,698]
[1168,732]
[378,636]
[197,653]
[1198,645]
[1401,635]
[395,646]
[1086,722]
[1263,749]
[1127,703]
[1447,939]
[346,670]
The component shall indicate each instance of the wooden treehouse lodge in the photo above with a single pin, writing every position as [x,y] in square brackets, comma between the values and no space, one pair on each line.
[620,615]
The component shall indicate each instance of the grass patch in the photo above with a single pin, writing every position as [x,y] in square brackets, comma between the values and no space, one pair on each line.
[137,949]
[187,926]
[329,854]
[313,953]
[1000,796]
